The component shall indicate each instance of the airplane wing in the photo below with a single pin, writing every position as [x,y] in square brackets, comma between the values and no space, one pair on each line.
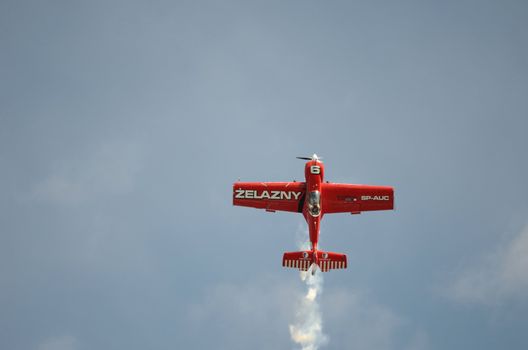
[348,198]
[272,196]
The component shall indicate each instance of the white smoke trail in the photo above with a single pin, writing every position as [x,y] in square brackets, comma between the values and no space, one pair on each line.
[307,329]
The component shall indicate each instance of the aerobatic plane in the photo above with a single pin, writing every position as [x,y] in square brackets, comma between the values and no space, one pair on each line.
[313,198]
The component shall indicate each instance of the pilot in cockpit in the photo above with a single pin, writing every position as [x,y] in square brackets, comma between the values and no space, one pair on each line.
[314,203]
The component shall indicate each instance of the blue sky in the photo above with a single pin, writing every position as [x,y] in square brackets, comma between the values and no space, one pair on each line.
[124,123]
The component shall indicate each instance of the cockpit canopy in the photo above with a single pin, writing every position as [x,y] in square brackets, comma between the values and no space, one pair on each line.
[314,203]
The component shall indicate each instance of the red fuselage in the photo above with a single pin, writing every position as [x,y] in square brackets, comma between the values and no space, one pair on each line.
[314,174]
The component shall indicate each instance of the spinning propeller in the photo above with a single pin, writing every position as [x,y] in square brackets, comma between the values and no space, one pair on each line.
[313,157]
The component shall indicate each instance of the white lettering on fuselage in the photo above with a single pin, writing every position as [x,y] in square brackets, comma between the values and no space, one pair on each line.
[375,198]
[276,195]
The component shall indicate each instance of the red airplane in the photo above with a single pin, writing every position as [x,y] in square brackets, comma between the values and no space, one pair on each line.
[313,198]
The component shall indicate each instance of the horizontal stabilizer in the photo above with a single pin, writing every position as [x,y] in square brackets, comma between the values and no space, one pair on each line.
[298,260]
[304,259]
[331,261]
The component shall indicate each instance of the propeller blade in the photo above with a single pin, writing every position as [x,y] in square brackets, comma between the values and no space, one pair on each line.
[305,158]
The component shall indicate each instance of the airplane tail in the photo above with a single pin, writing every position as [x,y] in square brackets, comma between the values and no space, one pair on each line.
[303,260]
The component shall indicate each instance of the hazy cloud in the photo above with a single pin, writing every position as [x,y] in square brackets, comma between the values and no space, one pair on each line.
[108,169]
[419,341]
[354,322]
[241,316]
[259,314]
[65,342]
[499,277]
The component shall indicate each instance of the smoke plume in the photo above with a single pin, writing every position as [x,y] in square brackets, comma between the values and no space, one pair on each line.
[307,330]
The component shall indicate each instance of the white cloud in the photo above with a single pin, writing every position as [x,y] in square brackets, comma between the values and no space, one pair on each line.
[246,316]
[109,169]
[501,276]
[65,342]
[419,341]
[260,315]
[354,322]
